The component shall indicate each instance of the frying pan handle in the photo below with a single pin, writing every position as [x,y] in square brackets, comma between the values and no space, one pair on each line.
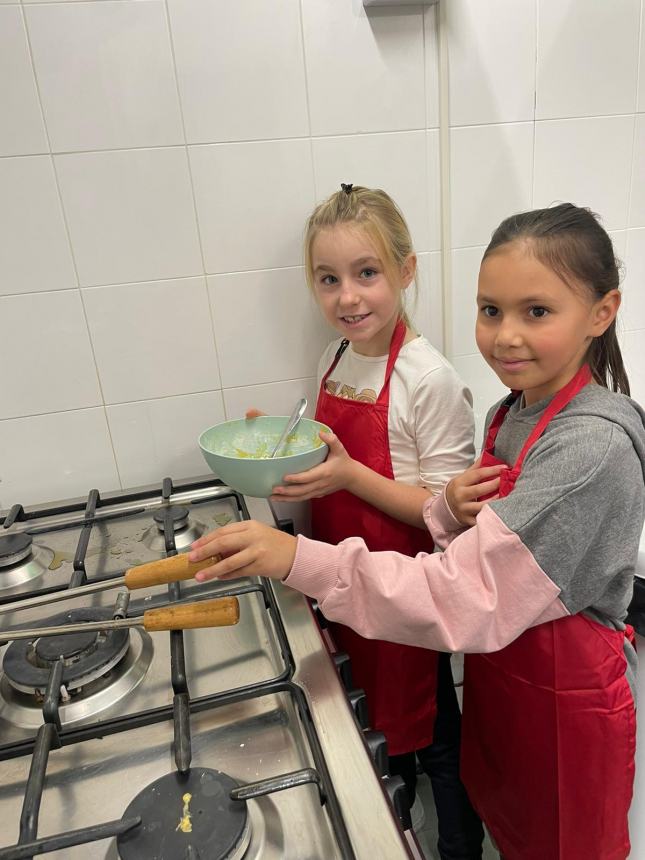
[221,612]
[165,570]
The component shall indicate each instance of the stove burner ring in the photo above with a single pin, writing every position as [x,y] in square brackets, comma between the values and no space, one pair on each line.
[14,549]
[178,517]
[180,812]
[86,656]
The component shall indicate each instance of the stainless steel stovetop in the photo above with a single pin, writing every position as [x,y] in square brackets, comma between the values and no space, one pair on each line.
[259,704]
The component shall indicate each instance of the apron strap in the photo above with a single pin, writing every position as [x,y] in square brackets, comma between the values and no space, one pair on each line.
[398,336]
[341,349]
[564,396]
[560,400]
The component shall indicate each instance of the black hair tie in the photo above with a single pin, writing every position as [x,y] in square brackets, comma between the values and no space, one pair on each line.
[347,187]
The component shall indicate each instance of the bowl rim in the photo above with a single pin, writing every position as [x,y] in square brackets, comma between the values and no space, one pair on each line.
[261,459]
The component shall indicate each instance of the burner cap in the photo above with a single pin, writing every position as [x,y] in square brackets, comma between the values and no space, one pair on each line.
[67,645]
[178,516]
[27,662]
[182,813]
[14,548]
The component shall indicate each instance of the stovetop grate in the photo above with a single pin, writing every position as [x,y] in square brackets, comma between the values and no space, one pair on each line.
[51,735]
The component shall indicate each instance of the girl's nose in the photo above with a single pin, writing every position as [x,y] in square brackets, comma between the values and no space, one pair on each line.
[348,295]
[508,334]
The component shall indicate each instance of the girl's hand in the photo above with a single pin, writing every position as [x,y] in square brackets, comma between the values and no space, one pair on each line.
[464,490]
[334,474]
[248,548]
[253,413]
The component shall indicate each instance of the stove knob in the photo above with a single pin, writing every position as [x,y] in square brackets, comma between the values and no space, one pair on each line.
[358,701]
[377,746]
[320,618]
[286,525]
[344,666]
[398,795]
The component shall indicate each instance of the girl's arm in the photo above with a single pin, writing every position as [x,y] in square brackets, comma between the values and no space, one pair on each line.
[439,429]
[564,541]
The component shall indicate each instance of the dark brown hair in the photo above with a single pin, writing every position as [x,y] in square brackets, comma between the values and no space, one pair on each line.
[570,241]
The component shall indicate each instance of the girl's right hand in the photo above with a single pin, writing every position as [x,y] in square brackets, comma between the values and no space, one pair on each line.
[253,413]
[464,490]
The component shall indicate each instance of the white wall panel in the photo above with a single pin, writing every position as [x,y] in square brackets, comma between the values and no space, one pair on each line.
[22,131]
[35,253]
[131,215]
[235,82]
[45,350]
[105,73]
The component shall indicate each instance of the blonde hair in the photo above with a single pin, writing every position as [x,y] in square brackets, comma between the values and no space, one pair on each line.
[373,211]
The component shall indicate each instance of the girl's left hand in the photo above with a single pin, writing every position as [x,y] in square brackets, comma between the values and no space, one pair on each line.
[332,475]
[247,548]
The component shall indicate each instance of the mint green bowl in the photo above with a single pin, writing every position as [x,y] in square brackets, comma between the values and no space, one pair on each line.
[239,452]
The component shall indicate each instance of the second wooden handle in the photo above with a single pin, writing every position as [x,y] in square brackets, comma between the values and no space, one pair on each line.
[220,612]
[165,570]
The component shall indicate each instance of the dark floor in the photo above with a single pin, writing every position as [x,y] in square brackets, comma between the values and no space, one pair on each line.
[427,835]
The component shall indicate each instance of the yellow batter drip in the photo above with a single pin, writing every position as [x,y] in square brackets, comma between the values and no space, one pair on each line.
[184,822]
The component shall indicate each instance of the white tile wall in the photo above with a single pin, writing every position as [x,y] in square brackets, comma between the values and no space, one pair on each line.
[237,83]
[61,455]
[277,398]
[138,360]
[633,306]
[34,249]
[637,205]
[491,176]
[587,162]
[267,326]
[163,156]
[131,214]
[587,58]
[492,61]
[465,271]
[33,330]
[22,131]
[395,162]
[426,308]
[105,74]
[365,70]
[252,201]
[159,437]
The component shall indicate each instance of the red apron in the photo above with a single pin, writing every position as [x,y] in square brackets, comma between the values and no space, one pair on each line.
[549,724]
[400,681]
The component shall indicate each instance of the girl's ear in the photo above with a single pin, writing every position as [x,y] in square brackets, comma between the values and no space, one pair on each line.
[604,312]
[408,270]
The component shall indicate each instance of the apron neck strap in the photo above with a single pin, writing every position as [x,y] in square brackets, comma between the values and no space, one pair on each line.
[398,336]
[560,400]
[564,396]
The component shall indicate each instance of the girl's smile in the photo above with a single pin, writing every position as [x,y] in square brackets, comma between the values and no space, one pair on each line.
[353,290]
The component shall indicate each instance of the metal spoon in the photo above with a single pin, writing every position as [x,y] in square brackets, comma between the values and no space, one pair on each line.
[292,423]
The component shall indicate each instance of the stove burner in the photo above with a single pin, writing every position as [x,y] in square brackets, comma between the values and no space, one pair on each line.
[187,815]
[14,548]
[178,517]
[21,560]
[87,656]
[185,529]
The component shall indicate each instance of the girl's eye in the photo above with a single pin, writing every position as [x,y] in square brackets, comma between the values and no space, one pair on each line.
[368,273]
[538,312]
[489,310]
[328,280]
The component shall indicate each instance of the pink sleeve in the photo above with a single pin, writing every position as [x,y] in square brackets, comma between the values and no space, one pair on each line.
[478,596]
[440,520]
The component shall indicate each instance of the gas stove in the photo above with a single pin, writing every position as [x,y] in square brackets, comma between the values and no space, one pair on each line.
[223,742]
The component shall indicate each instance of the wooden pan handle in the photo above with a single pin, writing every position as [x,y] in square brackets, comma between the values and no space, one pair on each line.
[221,612]
[165,570]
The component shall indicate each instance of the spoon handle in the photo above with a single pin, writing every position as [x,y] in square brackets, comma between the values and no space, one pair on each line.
[296,415]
